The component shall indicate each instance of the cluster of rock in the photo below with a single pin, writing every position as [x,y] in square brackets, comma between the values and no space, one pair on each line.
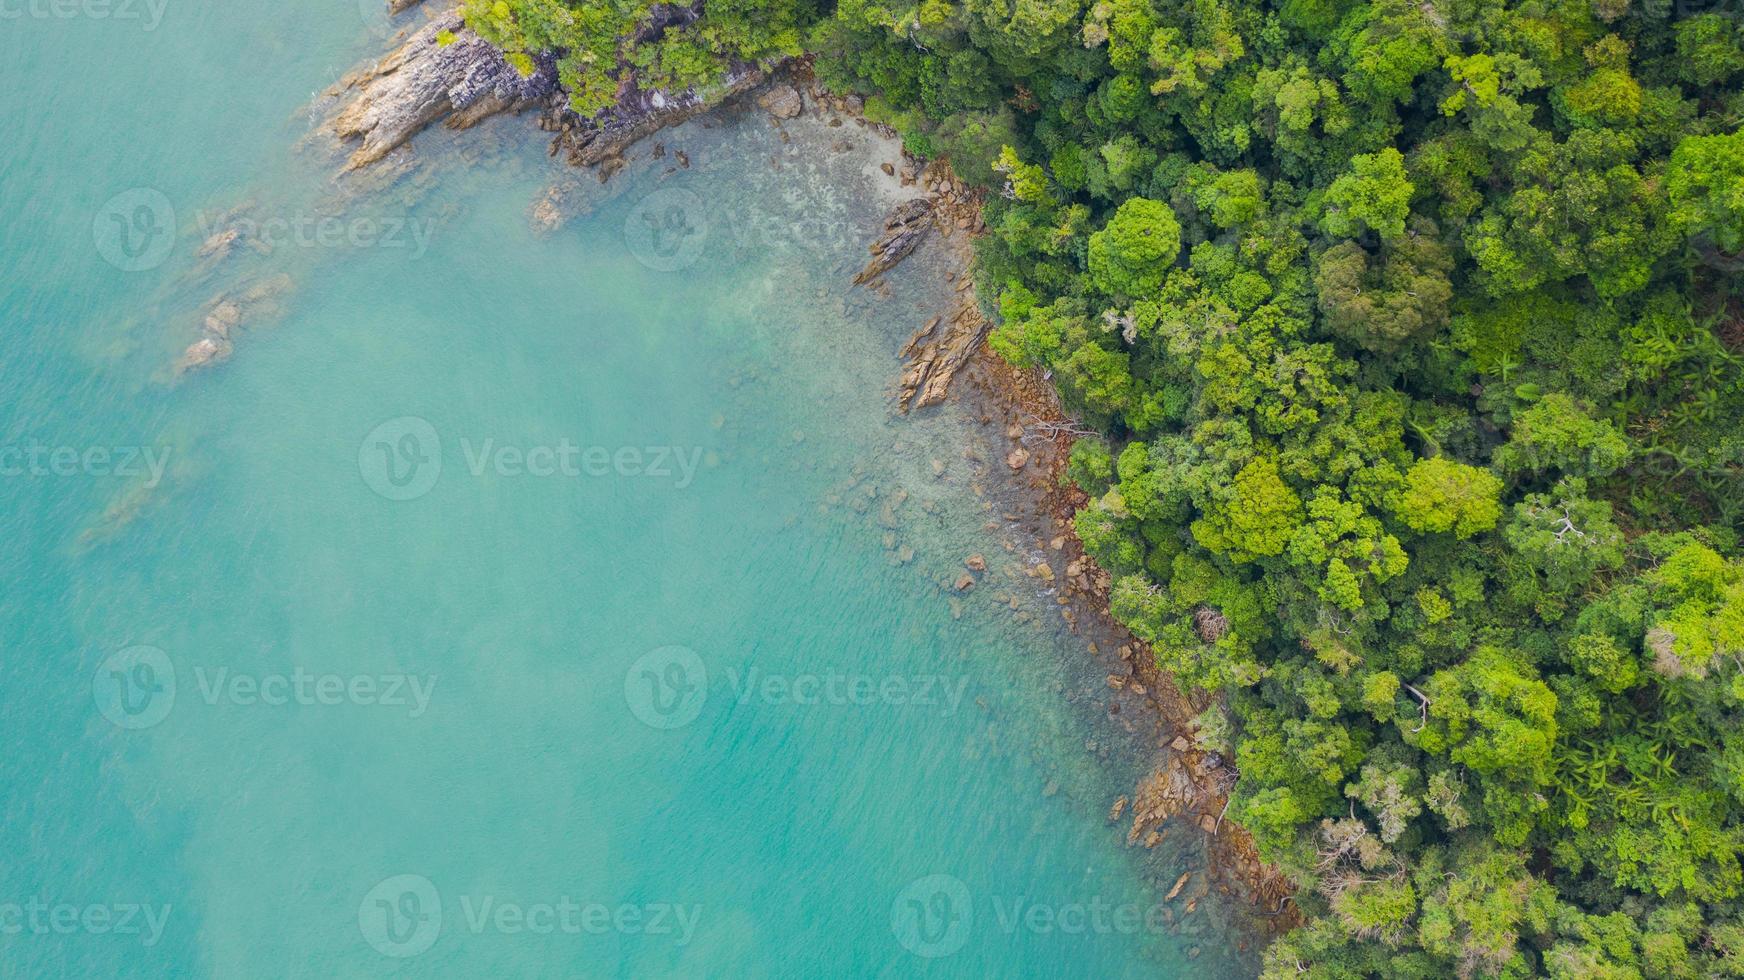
[1196,784]
[1189,781]
[782,101]
[933,357]
[601,140]
[228,312]
[905,227]
[465,80]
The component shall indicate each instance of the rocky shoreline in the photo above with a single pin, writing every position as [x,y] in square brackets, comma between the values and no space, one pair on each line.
[1181,781]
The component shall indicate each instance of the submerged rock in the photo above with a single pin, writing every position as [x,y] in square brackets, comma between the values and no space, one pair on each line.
[1180,883]
[205,351]
[218,244]
[122,511]
[228,312]
[556,206]
[223,318]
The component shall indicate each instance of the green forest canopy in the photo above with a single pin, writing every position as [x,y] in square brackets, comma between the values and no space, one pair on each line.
[1413,329]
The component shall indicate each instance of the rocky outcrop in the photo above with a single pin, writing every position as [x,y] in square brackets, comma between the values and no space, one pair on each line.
[939,350]
[666,16]
[468,80]
[602,139]
[905,227]
[424,80]
[935,357]
[782,101]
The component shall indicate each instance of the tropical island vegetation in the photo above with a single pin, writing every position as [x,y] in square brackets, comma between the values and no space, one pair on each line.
[1414,332]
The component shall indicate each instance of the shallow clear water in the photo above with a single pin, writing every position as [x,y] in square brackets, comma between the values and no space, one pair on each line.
[508,604]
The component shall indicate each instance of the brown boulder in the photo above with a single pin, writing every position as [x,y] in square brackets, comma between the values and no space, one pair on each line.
[782,101]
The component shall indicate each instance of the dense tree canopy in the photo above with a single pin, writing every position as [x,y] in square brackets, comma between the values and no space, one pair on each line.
[1413,328]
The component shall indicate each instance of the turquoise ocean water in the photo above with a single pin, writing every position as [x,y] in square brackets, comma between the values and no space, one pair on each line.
[509,604]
